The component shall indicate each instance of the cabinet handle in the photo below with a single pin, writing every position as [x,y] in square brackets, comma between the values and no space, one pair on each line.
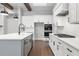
[53,42]
[69,50]
[57,47]
[68,19]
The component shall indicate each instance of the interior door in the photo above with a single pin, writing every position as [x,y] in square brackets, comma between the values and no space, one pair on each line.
[39,30]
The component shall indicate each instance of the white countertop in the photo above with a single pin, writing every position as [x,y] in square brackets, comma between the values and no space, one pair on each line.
[14,36]
[74,42]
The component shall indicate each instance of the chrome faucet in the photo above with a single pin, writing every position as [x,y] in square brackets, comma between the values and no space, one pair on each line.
[21,28]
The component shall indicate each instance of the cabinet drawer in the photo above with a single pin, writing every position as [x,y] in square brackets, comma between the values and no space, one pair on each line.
[70,50]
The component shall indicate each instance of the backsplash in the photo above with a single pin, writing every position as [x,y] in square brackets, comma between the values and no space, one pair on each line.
[72,29]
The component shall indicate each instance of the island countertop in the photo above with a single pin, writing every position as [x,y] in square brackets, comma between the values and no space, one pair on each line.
[14,36]
[15,45]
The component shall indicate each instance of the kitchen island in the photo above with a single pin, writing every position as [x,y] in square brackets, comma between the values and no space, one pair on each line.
[15,45]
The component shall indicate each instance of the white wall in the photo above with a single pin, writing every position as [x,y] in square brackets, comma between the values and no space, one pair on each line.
[12,25]
[5,27]
[28,21]
[43,18]
[72,29]
[1,23]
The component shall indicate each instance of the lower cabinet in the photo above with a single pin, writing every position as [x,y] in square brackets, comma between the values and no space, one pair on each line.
[70,51]
[52,44]
[61,48]
[27,45]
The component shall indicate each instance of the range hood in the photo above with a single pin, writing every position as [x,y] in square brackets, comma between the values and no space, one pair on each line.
[63,13]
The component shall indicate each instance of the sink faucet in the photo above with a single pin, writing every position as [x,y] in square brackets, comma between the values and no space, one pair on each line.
[21,28]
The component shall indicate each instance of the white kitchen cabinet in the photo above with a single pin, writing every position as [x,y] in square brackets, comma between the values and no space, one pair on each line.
[3,24]
[43,18]
[59,12]
[54,44]
[77,12]
[74,13]
[61,9]
[50,39]
[15,45]
[60,48]
[70,51]
[50,42]
[1,21]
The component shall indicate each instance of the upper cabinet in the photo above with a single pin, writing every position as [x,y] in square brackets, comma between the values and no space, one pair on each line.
[74,13]
[61,9]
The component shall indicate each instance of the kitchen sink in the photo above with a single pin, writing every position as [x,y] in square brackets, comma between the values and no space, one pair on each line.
[64,36]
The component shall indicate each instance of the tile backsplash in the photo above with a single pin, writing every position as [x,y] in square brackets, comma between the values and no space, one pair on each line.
[72,29]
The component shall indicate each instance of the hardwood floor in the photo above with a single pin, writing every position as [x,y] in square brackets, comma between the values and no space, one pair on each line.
[40,48]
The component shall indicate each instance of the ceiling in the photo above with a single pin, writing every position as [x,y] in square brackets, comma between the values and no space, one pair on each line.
[37,8]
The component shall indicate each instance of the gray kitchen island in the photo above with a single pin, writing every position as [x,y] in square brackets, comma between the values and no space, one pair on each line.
[15,45]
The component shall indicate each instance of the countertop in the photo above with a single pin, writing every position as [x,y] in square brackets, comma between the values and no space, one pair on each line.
[74,42]
[14,36]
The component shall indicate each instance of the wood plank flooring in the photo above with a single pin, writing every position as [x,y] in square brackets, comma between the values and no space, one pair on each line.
[40,48]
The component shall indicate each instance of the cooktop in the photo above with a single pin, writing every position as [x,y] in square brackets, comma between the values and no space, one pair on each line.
[64,36]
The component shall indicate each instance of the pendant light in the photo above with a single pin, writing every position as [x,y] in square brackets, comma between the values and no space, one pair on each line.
[15,17]
[4,12]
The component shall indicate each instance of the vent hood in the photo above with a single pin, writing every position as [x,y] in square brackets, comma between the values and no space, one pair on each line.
[62,9]
[63,13]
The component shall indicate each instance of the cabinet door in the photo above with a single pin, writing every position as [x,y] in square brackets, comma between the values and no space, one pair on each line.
[77,12]
[60,49]
[70,51]
[72,12]
[26,47]
[51,42]
[54,44]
